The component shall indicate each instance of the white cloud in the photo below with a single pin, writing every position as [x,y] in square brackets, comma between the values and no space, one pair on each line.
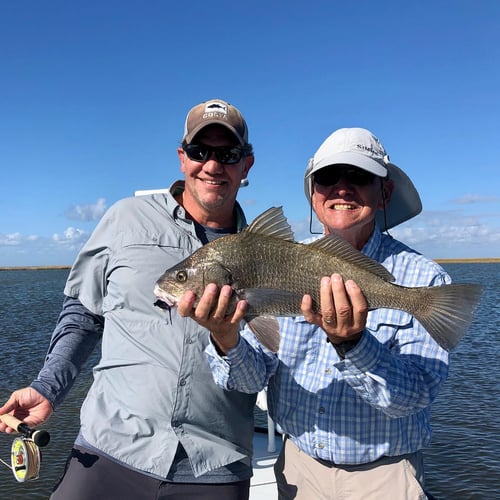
[249,202]
[469,199]
[450,234]
[10,239]
[301,229]
[33,250]
[438,234]
[71,237]
[87,212]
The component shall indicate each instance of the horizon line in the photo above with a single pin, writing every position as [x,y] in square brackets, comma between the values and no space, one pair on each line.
[452,260]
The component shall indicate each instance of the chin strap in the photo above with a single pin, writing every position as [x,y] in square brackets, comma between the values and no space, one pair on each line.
[311,220]
[384,229]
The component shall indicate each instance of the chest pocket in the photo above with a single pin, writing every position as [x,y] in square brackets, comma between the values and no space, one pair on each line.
[138,263]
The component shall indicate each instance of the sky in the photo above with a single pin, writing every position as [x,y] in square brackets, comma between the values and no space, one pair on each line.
[94,94]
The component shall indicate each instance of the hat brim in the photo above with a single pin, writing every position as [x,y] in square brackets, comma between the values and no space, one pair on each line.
[351,158]
[189,137]
[405,201]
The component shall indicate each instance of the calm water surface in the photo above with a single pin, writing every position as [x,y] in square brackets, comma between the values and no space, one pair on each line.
[462,463]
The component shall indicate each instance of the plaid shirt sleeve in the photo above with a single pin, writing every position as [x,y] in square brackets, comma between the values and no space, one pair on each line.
[246,368]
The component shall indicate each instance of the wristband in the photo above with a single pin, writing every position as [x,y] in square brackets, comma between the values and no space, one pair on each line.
[343,347]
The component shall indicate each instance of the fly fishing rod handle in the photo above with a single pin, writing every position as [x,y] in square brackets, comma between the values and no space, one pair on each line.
[41,438]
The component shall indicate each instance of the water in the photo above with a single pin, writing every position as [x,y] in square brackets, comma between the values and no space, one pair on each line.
[462,463]
[464,459]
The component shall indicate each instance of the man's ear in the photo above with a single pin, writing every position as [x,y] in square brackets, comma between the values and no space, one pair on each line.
[387,189]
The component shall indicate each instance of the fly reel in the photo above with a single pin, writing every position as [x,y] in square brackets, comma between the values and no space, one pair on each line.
[25,456]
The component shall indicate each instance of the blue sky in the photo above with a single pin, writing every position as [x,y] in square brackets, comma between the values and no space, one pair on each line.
[93,97]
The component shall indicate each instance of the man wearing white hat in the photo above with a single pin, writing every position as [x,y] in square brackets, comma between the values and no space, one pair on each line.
[354,408]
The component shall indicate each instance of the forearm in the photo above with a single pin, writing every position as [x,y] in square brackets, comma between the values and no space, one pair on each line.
[400,380]
[75,336]
[245,367]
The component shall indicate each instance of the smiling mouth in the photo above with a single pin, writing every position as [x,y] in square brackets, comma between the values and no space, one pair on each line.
[343,207]
[212,182]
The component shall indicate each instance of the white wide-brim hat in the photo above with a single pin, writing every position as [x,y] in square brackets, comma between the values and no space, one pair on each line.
[360,148]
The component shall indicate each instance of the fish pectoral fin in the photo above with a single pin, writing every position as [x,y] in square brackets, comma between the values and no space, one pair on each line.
[267,331]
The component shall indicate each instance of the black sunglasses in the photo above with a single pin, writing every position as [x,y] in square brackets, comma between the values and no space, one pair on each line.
[228,155]
[329,176]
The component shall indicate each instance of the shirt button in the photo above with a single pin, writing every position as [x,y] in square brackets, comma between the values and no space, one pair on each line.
[182,381]
[320,446]
[322,410]
[328,371]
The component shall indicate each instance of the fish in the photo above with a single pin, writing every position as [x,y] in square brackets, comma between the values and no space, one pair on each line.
[265,266]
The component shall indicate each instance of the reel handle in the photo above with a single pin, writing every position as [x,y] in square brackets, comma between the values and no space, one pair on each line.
[41,438]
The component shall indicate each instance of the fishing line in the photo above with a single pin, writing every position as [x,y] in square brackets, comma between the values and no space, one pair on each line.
[5,463]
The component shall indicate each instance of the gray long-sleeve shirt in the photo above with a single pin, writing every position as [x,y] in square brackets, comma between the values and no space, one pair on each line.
[152,387]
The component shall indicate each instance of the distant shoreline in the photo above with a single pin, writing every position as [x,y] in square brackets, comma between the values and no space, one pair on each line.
[32,268]
[482,260]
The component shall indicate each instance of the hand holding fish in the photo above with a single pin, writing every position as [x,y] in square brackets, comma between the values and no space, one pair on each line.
[343,306]
[216,312]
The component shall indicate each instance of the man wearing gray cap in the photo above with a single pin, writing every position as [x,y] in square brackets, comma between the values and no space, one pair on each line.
[154,425]
[351,389]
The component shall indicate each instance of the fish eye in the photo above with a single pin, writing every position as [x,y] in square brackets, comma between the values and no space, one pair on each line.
[181,276]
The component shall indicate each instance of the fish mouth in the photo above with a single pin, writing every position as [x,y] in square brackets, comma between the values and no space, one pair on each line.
[162,305]
[165,300]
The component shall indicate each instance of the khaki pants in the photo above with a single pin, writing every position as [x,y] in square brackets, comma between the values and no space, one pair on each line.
[301,477]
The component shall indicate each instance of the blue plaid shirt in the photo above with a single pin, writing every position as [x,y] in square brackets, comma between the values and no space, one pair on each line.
[373,403]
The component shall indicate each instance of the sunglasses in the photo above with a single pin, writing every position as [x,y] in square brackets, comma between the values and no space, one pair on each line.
[227,155]
[352,175]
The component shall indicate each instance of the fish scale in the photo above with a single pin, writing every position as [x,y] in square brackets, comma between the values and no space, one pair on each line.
[267,268]
[297,269]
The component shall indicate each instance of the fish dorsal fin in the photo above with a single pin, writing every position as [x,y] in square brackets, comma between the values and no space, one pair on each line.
[273,223]
[341,248]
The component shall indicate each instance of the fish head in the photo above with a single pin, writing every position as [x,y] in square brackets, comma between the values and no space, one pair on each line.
[192,276]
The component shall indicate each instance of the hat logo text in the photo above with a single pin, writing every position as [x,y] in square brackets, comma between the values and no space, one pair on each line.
[368,149]
[215,110]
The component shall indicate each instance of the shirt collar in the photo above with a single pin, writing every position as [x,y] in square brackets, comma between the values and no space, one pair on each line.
[372,245]
[178,187]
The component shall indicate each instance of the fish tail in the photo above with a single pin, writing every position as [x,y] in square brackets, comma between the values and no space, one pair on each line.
[446,312]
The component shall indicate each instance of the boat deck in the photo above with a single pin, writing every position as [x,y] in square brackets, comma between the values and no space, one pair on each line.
[263,483]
